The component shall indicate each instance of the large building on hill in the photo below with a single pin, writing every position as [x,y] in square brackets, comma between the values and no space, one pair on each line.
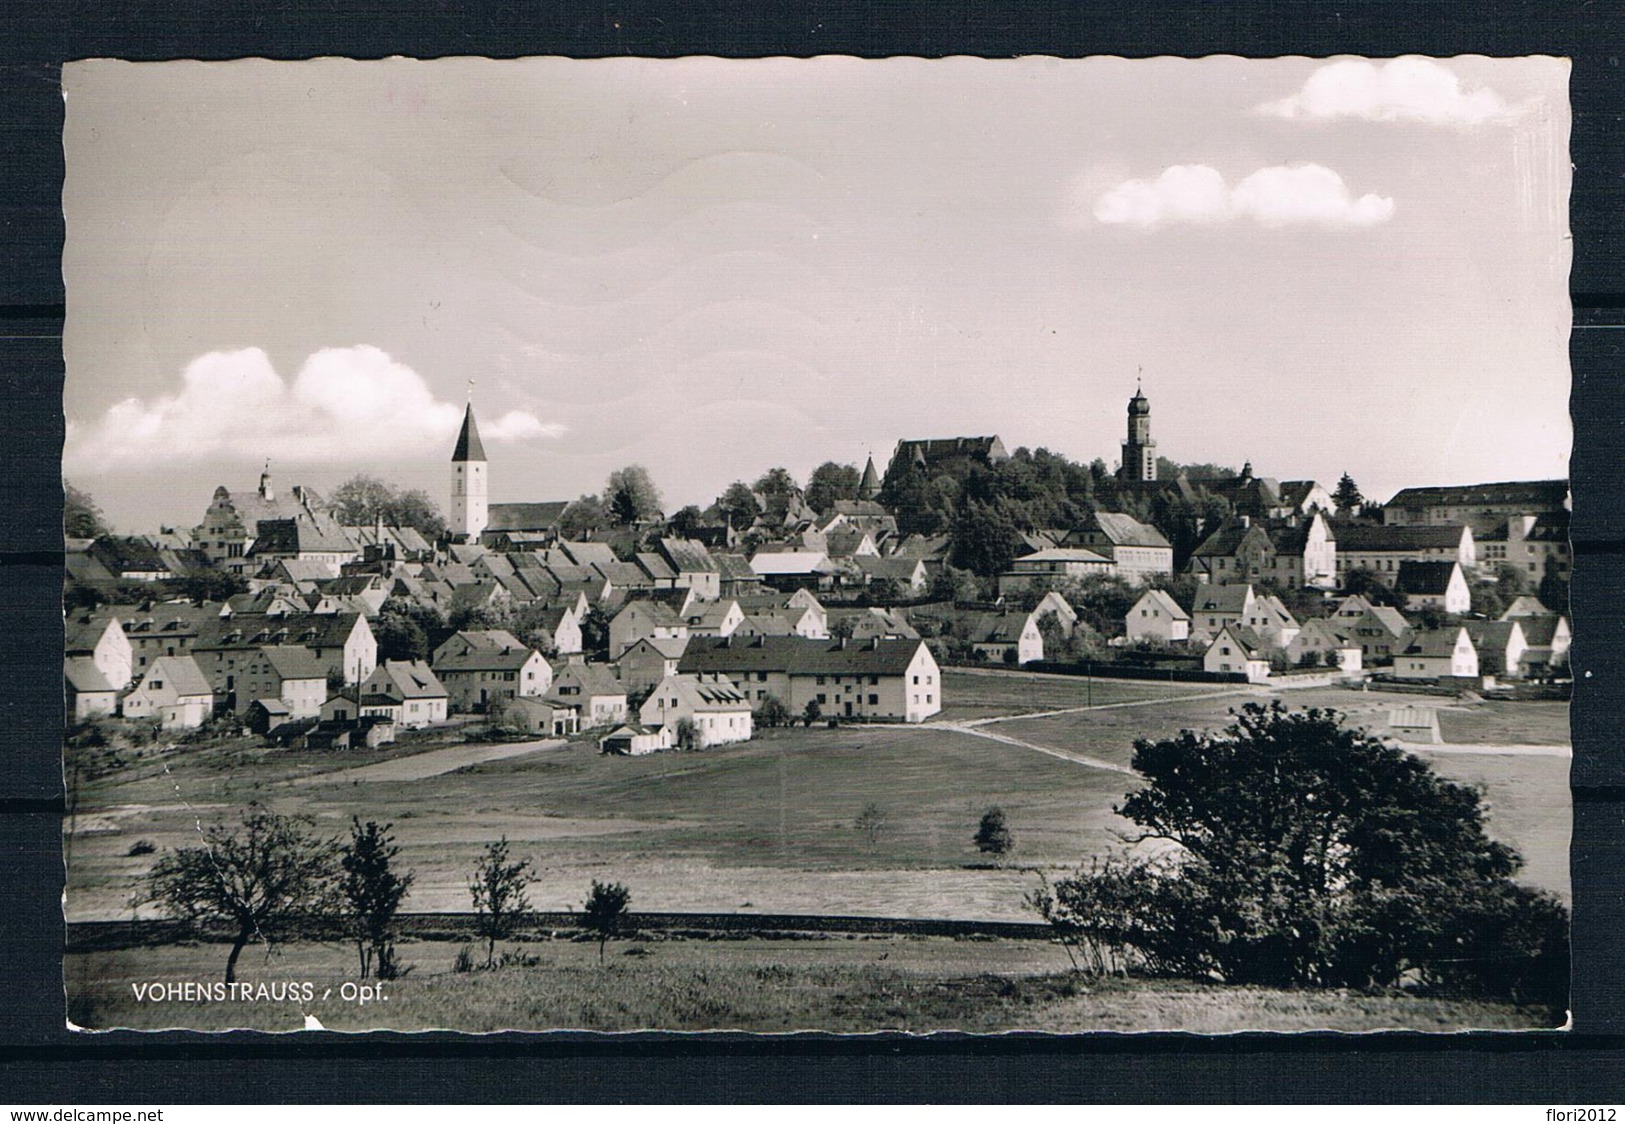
[1483,507]
[951,456]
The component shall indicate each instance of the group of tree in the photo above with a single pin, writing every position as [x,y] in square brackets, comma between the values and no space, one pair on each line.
[274,878]
[1289,850]
[273,875]
[362,500]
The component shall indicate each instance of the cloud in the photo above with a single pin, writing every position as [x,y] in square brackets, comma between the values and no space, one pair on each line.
[1278,196]
[345,404]
[1408,89]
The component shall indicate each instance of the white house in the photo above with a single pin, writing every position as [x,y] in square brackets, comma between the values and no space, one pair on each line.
[719,710]
[1325,639]
[1054,564]
[1433,585]
[1443,653]
[1156,618]
[1006,637]
[892,680]
[592,687]
[1237,650]
[1501,646]
[174,691]
[287,673]
[644,619]
[1137,550]
[480,666]
[407,691]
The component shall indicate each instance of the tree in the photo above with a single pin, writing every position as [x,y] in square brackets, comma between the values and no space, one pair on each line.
[261,879]
[630,496]
[81,517]
[872,822]
[772,712]
[605,911]
[830,482]
[1554,587]
[686,735]
[1368,584]
[1347,496]
[986,537]
[738,505]
[993,834]
[399,637]
[202,585]
[363,500]
[595,633]
[812,713]
[1301,852]
[687,521]
[953,584]
[373,892]
[500,889]
[582,517]
[776,482]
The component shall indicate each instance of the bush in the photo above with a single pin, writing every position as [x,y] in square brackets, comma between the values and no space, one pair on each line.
[1308,854]
[141,847]
[464,961]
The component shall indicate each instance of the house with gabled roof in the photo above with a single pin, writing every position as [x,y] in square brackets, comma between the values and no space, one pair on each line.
[529,521]
[290,674]
[720,711]
[87,692]
[130,558]
[592,687]
[908,573]
[1238,651]
[1222,603]
[1156,618]
[1137,550]
[308,538]
[801,608]
[1327,643]
[480,666]
[1238,550]
[1501,646]
[1383,632]
[101,641]
[1433,585]
[693,565]
[867,623]
[715,618]
[174,691]
[407,691]
[1005,637]
[1305,552]
[1548,639]
[794,569]
[1441,653]
[648,661]
[1056,564]
[891,680]
[646,618]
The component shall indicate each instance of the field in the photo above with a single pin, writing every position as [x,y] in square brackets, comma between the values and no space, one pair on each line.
[863,984]
[768,826]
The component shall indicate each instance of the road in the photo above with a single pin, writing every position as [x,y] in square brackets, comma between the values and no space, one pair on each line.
[434,763]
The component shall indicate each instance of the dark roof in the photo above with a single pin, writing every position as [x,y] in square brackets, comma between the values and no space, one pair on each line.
[292,662]
[595,679]
[1229,539]
[1492,634]
[406,679]
[1537,495]
[1253,643]
[468,440]
[936,449]
[128,554]
[1222,597]
[1436,642]
[1538,632]
[525,516]
[1430,579]
[798,656]
[1357,537]
[688,556]
[1125,530]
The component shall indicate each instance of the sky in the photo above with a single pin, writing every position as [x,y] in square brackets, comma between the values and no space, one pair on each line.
[711,267]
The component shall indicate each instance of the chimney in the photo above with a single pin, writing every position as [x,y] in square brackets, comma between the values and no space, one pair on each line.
[874,643]
[1245,520]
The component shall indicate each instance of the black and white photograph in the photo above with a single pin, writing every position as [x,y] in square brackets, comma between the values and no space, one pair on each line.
[826,544]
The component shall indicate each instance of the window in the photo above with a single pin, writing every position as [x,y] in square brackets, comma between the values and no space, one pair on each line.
[821,697]
[927,698]
[820,683]
[916,680]
[874,680]
[874,700]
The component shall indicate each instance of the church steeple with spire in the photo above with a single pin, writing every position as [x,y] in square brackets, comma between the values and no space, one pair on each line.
[869,487]
[1140,450]
[469,484]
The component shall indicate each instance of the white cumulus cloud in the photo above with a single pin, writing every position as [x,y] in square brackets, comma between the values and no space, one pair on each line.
[1278,196]
[344,404]
[1407,89]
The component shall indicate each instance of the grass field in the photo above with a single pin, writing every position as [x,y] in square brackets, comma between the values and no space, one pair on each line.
[835,984]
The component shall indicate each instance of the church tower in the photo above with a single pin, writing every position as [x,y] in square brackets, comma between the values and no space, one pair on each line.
[869,487]
[469,513]
[1140,450]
